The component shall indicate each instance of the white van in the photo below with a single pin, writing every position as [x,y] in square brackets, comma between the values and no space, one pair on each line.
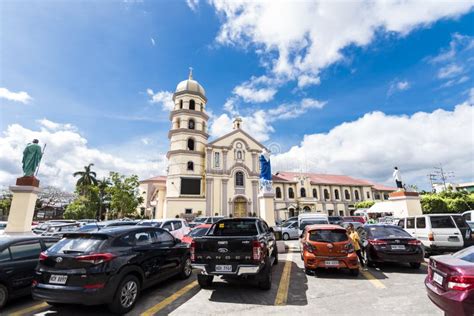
[439,232]
[306,219]
[468,216]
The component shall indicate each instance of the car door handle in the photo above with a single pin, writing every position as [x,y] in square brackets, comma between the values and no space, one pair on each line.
[456,233]
[10,270]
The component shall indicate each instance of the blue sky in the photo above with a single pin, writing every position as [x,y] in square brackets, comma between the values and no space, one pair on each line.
[87,66]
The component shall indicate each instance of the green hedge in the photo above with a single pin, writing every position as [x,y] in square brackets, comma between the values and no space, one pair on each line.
[447,202]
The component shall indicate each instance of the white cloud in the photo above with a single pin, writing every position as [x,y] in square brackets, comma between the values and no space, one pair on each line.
[456,81]
[152,41]
[370,146]
[305,80]
[297,38]
[254,95]
[68,151]
[21,96]
[193,4]
[449,71]
[398,86]
[163,98]
[458,43]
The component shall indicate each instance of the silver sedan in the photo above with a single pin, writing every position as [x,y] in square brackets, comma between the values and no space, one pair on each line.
[289,230]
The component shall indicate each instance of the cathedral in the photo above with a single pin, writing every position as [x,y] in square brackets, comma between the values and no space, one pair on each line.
[221,176]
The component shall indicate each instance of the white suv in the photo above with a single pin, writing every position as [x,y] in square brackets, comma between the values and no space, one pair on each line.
[178,227]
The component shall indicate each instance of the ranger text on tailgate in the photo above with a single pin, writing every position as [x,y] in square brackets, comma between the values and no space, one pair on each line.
[236,248]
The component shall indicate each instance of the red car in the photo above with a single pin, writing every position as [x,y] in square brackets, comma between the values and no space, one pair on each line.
[450,282]
[197,231]
[359,219]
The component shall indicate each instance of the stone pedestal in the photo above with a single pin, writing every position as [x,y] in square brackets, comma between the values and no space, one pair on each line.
[267,207]
[22,209]
[406,203]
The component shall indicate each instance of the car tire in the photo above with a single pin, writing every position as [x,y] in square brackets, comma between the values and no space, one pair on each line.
[415,265]
[368,262]
[126,295]
[3,295]
[186,270]
[265,283]
[205,281]
[354,272]
[309,271]
[286,236]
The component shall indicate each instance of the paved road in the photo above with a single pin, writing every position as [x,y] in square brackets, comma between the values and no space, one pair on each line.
[392,289]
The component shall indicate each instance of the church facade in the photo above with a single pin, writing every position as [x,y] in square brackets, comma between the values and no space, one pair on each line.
[221,177]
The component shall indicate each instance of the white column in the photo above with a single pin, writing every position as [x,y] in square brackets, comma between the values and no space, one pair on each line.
[22,208]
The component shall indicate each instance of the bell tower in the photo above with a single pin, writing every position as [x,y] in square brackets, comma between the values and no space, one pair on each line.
[186,156]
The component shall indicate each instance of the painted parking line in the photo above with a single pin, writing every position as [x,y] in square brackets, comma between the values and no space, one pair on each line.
[31,309]
[170,299]
[373,280]
[282,294]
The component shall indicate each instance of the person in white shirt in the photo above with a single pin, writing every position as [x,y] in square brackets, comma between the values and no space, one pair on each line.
[397,177]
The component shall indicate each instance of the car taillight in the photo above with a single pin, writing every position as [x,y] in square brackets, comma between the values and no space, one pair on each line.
[414,242]
[349,248]
[193,250]
[94,286]
[460,283]
[256,250]
[96,258]
[430,237]
[309,247]
[43,256]
[376,242]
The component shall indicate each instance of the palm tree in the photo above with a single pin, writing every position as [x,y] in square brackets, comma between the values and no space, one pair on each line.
[86,177]
[102,185]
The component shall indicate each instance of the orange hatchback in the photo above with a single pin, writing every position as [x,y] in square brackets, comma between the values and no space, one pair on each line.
[328,246]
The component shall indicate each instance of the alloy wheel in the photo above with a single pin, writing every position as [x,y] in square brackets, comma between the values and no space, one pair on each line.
[128,295]
[187,267]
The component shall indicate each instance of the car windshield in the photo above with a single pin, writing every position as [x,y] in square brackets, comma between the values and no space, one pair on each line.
[311,222]
[199,219]
[197,232]
[286,224]
[78,244]
[388,232]
[465,254]
[328,235]
[235,228]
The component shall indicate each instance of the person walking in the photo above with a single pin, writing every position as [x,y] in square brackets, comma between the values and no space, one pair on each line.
[354,236]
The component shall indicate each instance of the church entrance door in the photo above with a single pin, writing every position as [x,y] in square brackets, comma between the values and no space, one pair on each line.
[240,207]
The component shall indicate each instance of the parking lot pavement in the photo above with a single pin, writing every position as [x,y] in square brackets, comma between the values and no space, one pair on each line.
[393,289]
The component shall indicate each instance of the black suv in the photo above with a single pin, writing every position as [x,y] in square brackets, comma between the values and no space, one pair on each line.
[110,266]
[18,259]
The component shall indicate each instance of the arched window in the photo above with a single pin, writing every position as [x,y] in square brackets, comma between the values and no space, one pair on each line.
[336,194]
[356,194]
[190,144]
[326,194]
[239,154]
[347,195]
[278,192]
[239,179]
[191,124]
[192,104]
[291,194]
[315,193]
[307,209]
[190,165]
[368,195]
[303,192]
[180,104]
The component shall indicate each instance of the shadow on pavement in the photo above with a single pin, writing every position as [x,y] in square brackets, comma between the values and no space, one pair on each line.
[399,268]
[247,292]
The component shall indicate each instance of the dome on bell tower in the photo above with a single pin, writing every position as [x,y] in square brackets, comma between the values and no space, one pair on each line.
[190,86]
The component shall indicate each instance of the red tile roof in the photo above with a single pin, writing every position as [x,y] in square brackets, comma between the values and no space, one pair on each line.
[155,179]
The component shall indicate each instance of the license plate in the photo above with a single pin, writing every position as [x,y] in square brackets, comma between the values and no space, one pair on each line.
[331,262]
[437,278]
[223,268]
[453,239]
[398,247]
[57,279]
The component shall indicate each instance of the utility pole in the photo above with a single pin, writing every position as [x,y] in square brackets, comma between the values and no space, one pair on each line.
[432,178]
[443,175]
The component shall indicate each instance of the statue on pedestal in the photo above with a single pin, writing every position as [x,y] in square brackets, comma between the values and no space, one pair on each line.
[31,159]
[397,177]
[265,172]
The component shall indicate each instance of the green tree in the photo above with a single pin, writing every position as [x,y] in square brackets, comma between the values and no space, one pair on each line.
[86,177]
[103,195]
[364,204]
[124,194]
[433,203]
[80,208]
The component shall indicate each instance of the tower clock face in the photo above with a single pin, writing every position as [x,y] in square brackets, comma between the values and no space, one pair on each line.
[239,145]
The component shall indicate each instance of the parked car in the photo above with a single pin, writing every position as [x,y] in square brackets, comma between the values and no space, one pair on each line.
[41,228]
[177,227]
[389,243]
[450,282]
[328,246]
[471,225]
[104,224]
[60,229]
[110,266]
[388,220]
[205,220]
[289,230]
[3,225]
[359,219]
[335,220]
[236,248]
[197,231]
[468,216]
[357,225]
[310,219]
[439,232]
[18,259]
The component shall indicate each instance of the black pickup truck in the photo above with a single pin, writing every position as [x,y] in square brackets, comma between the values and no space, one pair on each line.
[236,248]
